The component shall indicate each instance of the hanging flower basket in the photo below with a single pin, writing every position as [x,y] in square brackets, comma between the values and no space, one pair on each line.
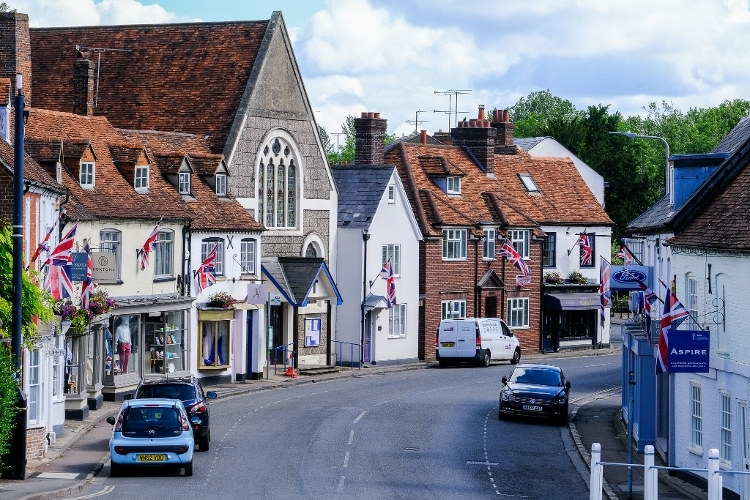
[553,277]
[79,318]
[222,300]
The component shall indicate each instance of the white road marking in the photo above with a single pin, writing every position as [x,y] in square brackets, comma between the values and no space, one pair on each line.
[341,485]
[346,460]
[106,490]
[360,416]
[58,475]
[351,437]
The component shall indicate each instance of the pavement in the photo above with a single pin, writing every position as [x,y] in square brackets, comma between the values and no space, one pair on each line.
[73,461]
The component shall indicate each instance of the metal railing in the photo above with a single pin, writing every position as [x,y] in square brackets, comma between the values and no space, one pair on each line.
[339,345]
[286,354]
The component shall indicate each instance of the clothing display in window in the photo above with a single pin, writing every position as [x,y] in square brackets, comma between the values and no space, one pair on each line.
[122,338]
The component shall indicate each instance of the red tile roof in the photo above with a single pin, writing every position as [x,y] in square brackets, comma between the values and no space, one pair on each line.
[177,77]
[31,169]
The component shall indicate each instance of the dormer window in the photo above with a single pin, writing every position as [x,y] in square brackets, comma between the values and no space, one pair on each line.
[184,183]
[529,183]
[87,174]
[221,184]
[141,178]
[454,185]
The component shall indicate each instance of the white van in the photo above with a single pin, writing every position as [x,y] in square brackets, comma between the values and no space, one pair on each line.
[475,339]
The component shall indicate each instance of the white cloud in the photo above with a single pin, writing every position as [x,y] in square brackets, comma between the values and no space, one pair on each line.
[90,13]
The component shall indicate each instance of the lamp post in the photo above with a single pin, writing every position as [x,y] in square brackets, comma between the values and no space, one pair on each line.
[669,187]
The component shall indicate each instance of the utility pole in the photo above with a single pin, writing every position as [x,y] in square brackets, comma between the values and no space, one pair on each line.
[338,137]
[417,121]
[451,95]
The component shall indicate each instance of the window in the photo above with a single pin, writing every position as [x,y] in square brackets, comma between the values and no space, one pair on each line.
[397,321]
[221,184]
[33,403]
[635,247]
[520,240]
[247,256]
[109,241]
[164,251]
[549,248]
[87,174]
[696,420]
[57,367]
[213,347]
[311,251]
[184,183]
[518,312]
[391,194]
[590,260]
[207,246]
[453,309]
[454,244]
[393,252]
[488,246]
[454,185]
[725,451]
[528,183]
[692,301]
[277,185]
[141,177]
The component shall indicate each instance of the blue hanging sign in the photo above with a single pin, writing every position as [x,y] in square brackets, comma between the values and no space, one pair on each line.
[688,351]
[80,264]
[624,278]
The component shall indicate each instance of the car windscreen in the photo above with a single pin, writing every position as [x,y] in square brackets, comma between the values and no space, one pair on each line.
[182,392]
[536,376]
[151,422]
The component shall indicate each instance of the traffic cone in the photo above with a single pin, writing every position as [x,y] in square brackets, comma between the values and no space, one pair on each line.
[290,370]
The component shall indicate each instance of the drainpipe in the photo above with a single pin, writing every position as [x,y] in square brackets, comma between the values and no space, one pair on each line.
[186,241]
[365,239]
[477,313]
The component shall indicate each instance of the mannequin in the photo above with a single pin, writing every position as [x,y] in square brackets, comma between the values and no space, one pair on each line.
[122,339]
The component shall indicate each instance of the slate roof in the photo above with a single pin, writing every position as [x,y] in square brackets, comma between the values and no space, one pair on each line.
[361,188]
[295,276]
[735,138]
[527,143]
[655,219]
[563,196]
[186,77]
[415,137]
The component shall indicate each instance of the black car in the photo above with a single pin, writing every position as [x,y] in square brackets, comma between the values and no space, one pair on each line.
[190,392]
[536,390]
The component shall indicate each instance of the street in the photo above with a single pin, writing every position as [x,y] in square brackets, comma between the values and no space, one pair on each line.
[431,433]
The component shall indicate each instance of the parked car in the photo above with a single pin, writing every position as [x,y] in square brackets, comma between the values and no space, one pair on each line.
[536,390]
[477,340]
[190,392]
[151,433]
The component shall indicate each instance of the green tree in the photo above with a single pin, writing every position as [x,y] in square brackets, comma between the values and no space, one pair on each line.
[8,398]
[531,115]
[347,153]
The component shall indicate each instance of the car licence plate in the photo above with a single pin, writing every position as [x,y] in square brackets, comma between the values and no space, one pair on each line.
[532,408]
[152,458]
[447,344]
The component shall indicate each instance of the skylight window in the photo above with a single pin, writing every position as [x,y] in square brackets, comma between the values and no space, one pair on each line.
[529,183]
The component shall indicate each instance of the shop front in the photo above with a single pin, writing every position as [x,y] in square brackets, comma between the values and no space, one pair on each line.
[571,321]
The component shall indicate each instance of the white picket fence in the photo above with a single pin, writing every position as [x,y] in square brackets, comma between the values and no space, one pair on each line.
[651,473]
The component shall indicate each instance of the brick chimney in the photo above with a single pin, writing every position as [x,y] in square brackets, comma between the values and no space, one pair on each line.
[479,137]
[15,51]
[369,139]
[501,122]
[83,85]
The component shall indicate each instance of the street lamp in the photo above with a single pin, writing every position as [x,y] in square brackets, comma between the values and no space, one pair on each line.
[669,187]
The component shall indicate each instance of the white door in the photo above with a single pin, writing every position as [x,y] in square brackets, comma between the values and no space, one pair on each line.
[509,346]
[447,339]
[466,346]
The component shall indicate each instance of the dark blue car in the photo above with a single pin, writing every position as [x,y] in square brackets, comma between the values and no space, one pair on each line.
[535,390]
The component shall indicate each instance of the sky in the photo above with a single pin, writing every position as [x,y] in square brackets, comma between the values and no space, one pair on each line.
[395,56]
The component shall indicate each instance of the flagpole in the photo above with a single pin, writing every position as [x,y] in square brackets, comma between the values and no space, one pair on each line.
[690,315]
[622,242]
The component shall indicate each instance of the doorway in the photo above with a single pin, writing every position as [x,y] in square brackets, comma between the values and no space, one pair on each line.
[249,354]
[490,306]
[367,340]
[275,323]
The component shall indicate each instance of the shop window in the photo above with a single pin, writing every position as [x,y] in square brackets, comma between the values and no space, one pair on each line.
[213,345]
[57,367]
[165,342]
[393,252]
[164,251]
[33,375]
[488,245]
[247,256]
[74,364]
[518,312]
[141,178]
[110,240]
[206,246]
[184,184]
[549,250]
[127,344]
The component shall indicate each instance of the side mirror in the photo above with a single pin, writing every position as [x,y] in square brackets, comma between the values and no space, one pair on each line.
[111,420]
[567,385]
[505,379]
[211,395]
[128,396]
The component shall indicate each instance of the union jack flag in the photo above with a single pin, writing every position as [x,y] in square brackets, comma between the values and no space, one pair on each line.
[386,272]
[60,267]
[626,256]
[390,282]
[43,245]
[605,293]
[87,285]
[149,247]
[674,314]
[207,271]
[509,252]
[586,252]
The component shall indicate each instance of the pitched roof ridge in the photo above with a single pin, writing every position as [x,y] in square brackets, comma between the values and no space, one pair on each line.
[152,25]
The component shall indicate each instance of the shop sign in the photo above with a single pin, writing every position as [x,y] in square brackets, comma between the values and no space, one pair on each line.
[274,299]
[79,265]
[522,280]
[626,278]
[56,352]
[104,267]
[256,293]
[688,351]
[312,332]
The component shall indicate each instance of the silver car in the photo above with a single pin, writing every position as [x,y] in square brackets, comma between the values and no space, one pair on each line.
[151,433]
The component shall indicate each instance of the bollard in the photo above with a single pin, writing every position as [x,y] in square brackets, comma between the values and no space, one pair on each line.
[650,478]
[714,479]
[595,482]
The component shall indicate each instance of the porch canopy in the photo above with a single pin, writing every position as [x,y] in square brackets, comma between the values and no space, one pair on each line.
[572,301]
[295,278]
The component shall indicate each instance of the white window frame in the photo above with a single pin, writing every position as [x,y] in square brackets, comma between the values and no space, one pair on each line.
[112,243]
[691,296]
[528,183]
[87,174]
[164,254]
[520,240]
[518,312]
[454,241]
[394,253]
[221,184]
[141,181]
[35,400]
[391,193]
[248,253]
[725,447]
[58,369]
[696,419]
[206,246]
[397,321]
[184,182]
[453,185]
[489,243]
[453,309]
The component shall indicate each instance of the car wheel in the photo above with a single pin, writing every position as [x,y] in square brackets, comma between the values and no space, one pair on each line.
[204,443]
[500,415]
[564,417]
[189,468]
[443,363]
[115,469]
[516,356]
[487,358]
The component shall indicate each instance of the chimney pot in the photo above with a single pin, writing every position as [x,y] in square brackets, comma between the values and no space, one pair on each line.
[364,114]
[377,115]
[480,114]
[423,137]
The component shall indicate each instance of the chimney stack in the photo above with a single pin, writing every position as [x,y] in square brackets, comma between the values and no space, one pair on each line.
[369,139]
[479,137]
[15,51]
[501,122]
[83,85]
[423,137]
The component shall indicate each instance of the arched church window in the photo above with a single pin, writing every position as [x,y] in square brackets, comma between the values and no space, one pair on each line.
[277,184]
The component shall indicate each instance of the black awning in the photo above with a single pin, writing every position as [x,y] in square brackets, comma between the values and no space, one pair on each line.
[572,301]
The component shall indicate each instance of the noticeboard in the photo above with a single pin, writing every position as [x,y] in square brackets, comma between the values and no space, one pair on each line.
[312,332]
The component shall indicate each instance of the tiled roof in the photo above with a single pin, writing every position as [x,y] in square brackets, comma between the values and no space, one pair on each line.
[439,166]
[361,188]
[125,153]
[172,77]
[205,164]
[563,195]
[735,138]
[527,143]
[76,147]
[44,150]
[32,172]
[413,137]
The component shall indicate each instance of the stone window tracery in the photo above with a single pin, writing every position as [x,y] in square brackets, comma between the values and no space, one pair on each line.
[277,185]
